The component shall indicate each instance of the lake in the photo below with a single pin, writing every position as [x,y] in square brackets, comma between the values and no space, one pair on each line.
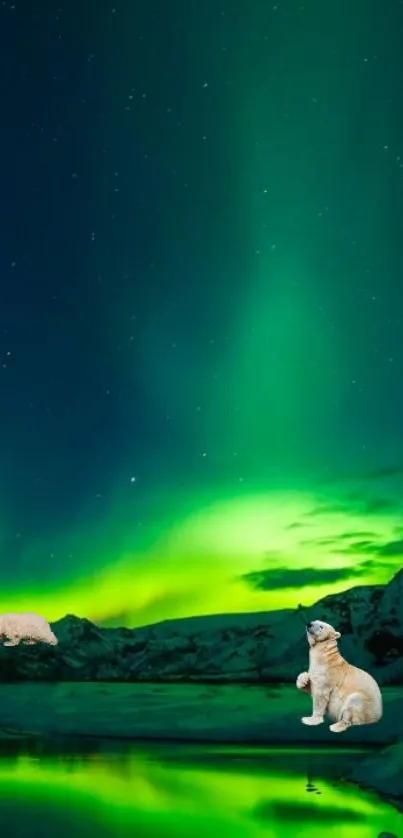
[269,715]
[117,790]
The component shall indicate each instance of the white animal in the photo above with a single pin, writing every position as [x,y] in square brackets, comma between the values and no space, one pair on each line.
[30,628]
[348,695]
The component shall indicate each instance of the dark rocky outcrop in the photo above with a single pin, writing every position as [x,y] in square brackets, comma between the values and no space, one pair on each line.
[382,771]
[267,647]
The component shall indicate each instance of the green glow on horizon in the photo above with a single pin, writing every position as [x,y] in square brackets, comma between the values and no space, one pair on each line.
[194,566]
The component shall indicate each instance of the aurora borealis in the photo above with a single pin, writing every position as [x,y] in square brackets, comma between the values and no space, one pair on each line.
[201,305]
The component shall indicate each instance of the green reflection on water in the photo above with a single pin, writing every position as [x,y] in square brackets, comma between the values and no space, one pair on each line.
[173,792]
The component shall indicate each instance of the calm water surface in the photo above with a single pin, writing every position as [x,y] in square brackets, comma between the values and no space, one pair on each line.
[172,792]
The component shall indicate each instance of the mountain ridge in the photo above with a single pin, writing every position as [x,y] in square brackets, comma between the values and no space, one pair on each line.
[261,647]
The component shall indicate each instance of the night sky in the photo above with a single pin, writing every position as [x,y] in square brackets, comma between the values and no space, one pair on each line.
[201,304]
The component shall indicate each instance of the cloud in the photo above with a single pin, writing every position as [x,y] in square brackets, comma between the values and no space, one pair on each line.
[369,567]
[391,548]
[379,505]
[366,547]
[281,578]
[277,578]
[360,542]
[369,504]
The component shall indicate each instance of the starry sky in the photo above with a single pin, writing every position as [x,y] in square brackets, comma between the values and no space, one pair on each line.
[201,304]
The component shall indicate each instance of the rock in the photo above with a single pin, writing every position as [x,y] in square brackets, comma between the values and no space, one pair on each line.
[382,771]
[268,647]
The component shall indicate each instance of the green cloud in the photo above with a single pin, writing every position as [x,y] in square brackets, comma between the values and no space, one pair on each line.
[277,578]
[391,548]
